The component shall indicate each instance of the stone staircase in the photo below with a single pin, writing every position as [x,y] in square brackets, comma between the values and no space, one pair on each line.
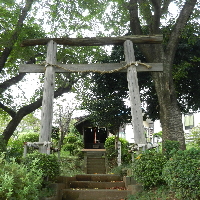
[92,187]
[95,184]
[95,162]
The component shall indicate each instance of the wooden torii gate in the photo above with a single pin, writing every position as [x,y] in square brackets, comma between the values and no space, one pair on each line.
[130,66]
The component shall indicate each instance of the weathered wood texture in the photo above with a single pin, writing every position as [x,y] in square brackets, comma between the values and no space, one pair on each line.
[136,111]
[33,68]
[48,96]
[96,41]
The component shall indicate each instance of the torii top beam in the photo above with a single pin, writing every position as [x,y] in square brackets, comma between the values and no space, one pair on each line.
[96,41]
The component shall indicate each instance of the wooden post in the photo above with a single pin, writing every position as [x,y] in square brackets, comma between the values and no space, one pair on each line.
[119,156]
[136,111]
[48,96]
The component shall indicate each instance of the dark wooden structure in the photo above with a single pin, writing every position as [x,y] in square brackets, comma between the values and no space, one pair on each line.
[94,137]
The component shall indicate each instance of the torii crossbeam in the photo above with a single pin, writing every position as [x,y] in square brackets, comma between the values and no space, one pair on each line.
[129,66]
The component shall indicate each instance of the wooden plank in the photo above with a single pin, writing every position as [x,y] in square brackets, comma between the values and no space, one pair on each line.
[48,96]
[136,111]
[96,41]
[33,68]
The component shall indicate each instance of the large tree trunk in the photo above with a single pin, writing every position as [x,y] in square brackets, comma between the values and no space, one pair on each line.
[170,114]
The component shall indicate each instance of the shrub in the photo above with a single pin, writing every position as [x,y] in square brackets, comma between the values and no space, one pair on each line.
[29,137]
[73,144]
[48,164]
[194,136]
[170,147]
[71,166]
[112,153]
[14,150]
[147,168]
[17,182]
[182,174]
[15,147]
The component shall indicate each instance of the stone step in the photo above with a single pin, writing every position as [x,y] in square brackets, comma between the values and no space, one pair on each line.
[96,171]
[95,159]
[95,154]
[98,185]
[96,166]
[94,194]
[98,177]
[99,165]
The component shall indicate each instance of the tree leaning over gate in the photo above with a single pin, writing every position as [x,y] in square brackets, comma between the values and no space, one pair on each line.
[130,66]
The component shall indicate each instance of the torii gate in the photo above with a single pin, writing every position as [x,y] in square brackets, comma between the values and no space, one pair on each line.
[129,66]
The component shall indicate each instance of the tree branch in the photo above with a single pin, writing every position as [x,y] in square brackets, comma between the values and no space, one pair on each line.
[157,14]
[16,32]
[6,84]
[16,119]
[10,111]
[134,19]
[165,6]
[147,13]
[180,24]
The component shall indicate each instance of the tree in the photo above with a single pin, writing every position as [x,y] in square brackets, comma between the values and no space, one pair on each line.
[63,115]
[19,23]
[76,17]
[170,114]
[104,99]
[150,13]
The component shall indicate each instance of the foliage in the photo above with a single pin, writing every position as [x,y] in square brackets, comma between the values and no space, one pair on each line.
[182,174]
[112,153]
[147,168]
[161,192]
[48,164]
[29,137]
[159,134]
[17,182]
[120,170]
[28,124]
[194,136]
[15,147]
[186,66]
[170,147]
[72,143]
[70,166]
[14,150]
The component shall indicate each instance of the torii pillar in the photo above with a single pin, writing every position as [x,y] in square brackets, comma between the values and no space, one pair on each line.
[134,94]
[48,96]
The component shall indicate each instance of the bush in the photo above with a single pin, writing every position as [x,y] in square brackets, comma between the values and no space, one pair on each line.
[17,182]
[147,168]
[112,153]
[48,164]
[73,144]
[194,136]
[170,147]
[14,150]
[15,147]
[71,166]
[182,174]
